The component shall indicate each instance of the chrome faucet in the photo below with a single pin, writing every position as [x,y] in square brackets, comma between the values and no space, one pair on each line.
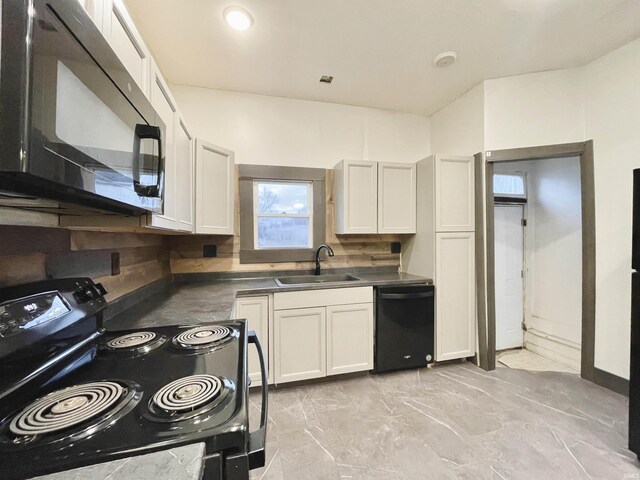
[329,252]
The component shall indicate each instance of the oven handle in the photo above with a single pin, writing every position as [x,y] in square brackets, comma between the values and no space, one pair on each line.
[153,133]
[405,296]
[258,438]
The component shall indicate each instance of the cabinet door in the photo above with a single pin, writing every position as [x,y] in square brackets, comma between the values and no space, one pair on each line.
[396,198]
[185,165]
[215,183]
[357,197]
[349,338]
[454,184]
[95,9]
[125,40]
[164,104]
[256,311]
[455,296]
[300,344]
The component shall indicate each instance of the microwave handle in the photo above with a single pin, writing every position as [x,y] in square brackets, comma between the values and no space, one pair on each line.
[154,133]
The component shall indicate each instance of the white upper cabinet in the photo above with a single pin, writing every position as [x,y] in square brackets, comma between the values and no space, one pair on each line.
[454,187]
[125,40]
[95,9]
[215,185]
[356,197]
[396,198]
[165,106]
[185,166]
[372,197]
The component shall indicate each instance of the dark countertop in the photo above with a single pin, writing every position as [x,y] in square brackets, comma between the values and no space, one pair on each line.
[193,302]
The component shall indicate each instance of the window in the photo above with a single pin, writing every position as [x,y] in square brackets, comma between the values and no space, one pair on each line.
[283,214]
[510,185]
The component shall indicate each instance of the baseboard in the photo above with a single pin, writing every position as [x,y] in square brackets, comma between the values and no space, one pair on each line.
[612,382]
[554,348]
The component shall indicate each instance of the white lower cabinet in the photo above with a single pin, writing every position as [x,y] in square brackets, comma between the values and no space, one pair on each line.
[349,338]
[300,344]
[455,295]
[256,311]
[322,332]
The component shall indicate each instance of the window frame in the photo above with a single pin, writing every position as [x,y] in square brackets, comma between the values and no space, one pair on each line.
[257,215]
[246,176]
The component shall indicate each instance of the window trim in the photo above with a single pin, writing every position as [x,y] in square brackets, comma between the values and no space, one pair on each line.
[247,174]
[256,214]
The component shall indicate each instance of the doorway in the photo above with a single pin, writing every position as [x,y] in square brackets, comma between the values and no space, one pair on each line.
[486,248]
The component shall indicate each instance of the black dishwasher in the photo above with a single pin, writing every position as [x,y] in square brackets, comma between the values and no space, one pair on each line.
[404,327]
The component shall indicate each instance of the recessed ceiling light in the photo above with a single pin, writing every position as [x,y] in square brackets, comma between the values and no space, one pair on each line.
[238,18]
[445,59]
[326,79]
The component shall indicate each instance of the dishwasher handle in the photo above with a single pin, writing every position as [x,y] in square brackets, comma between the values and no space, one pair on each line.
[405,296]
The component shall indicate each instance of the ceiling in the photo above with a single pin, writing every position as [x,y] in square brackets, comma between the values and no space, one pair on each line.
[379,51]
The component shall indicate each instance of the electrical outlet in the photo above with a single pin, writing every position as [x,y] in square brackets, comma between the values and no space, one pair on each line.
[115,263]
[396,247]
[209,251]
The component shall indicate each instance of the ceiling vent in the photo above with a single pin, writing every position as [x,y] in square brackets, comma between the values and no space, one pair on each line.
[326,79]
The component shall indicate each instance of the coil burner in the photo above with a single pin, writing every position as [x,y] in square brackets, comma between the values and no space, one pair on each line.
[137,343]
[188,397]
[204,337]
[88,405]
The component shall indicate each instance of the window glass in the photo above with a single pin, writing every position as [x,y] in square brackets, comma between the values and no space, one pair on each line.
[509,185]
[283,216]
[283,198]
[283,232]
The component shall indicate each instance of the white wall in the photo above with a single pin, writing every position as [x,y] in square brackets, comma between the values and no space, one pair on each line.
[536,109]
[458,129]
[600,101]
[281,131]
[612,111]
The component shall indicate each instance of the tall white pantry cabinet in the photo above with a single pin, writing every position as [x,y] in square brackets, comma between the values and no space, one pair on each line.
[444,249]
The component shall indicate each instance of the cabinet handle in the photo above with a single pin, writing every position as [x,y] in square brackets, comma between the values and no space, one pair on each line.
[405,296]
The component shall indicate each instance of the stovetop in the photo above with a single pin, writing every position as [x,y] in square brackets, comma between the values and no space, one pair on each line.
[141,426]
[111,395]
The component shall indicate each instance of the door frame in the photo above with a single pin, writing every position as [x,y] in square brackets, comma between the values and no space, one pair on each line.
[485,244]
[523,260]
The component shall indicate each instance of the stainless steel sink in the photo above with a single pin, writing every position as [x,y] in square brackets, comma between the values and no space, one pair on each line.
[314,279]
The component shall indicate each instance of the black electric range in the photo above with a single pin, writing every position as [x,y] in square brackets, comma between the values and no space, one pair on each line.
[73,394]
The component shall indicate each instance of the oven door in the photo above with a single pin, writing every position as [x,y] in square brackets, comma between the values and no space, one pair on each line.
[90,129]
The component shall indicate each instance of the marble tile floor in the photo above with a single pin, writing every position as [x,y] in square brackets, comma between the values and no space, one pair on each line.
[449,422]
[528,360]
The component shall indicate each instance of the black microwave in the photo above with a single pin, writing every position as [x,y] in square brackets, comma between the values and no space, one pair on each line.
[75,127]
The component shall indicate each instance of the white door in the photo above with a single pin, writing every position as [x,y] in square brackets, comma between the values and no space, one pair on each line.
[256,311]
[454,188]
[215,182]
[455,282]
[300,344]
[396,198]
[509,247]
[349,338]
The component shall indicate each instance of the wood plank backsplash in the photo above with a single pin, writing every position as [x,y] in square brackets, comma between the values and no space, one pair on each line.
[32,253]
[350,250]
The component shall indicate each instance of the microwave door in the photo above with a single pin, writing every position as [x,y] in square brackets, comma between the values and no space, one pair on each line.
[84,130]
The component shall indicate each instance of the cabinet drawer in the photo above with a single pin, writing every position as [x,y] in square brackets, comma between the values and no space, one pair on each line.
[322,298]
